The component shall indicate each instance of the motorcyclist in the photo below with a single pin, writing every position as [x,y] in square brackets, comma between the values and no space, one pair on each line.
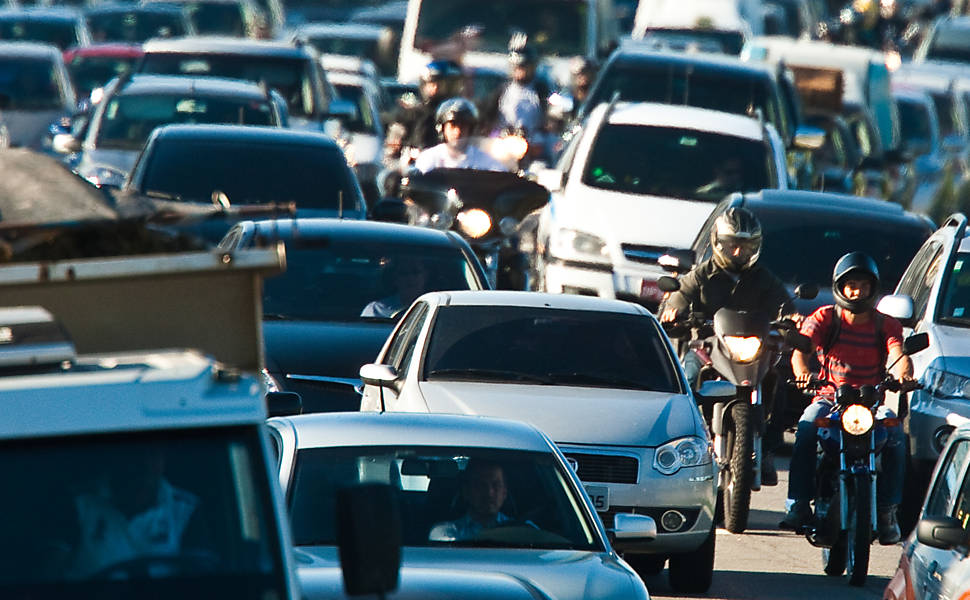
[732,278]
[455,122]
[440,80]
[853,342]
[582,73]
[522,103]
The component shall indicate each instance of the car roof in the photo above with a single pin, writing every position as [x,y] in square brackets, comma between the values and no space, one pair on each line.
[241,134]
[827,205]
[180,84]
[47,13]
[413,429]
[958,22]
[631,53]
[689,117]
[346,229]
[224,45]
[340,30]
[154,7]
[30,50]
[534,300]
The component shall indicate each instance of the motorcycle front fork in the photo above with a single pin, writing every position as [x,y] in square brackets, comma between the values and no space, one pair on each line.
[720,441]
[845,473]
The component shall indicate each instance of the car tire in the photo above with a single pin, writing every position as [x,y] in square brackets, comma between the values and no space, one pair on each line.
[693,571]
[646,565]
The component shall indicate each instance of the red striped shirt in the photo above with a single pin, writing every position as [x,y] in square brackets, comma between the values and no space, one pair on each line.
[854,358]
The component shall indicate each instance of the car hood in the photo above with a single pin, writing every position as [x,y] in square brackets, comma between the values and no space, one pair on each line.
[322,348]
[630,218]
[953,348]
[560,574]
[572,415]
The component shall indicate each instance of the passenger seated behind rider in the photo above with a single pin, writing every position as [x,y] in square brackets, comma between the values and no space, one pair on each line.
[409,279]
[455,122]
[853,343]
[484,491]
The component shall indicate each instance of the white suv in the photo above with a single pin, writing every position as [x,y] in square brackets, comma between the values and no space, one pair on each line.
[638,180]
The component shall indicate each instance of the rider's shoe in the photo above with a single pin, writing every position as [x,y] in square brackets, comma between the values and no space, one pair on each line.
[887,526]
[798,516]
[769,475]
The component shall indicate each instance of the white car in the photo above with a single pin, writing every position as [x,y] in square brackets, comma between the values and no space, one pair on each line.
[544,533]
[598,376]
[362,133]
[640,179]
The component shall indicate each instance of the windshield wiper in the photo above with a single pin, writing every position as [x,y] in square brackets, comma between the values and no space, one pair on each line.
[277,317]
[490,374]
[599,380]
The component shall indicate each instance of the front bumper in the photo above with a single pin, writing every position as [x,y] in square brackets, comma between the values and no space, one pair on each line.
[692,492]
[626,281]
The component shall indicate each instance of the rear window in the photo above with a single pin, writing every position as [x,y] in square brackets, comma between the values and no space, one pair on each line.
[60,33]
[29,84]
[950,43]
[135,27]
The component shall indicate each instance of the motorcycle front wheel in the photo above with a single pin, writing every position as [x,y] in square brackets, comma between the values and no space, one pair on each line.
[859,535]
[740,472]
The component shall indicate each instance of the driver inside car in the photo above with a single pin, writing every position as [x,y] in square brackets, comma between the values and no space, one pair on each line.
[484,491]
[408,280]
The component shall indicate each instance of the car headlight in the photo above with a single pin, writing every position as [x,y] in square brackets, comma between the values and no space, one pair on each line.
[944,384]
[684,452]
[856,419]
[474,222]
[743,349]
[569,242]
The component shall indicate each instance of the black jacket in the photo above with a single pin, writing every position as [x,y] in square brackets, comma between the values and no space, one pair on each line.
[709,288]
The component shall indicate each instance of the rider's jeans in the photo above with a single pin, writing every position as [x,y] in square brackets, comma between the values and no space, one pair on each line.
[801,478]
[692,369]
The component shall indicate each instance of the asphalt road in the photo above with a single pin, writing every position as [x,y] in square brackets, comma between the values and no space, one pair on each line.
[766,563]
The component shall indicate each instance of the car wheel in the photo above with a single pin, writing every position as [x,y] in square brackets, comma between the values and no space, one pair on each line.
[693,572]
[646,565]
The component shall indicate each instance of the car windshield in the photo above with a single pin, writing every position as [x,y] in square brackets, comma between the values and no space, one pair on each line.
[291,77]
[59,32]
[735,93]
[916,127]
[729,42]
[128,120]
[556,27]
[455,496]
[955,301]
[519,344]
[135,27]
[329,279]
[29,84]
[676,163]
[189,511]
[313,177]
[305,11]
[950,43]
[346,46]
[90,72]
[364,121]
[819,246]
[217,18]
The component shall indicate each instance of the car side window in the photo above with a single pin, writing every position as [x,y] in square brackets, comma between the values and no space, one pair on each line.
[406,336]
[914,277]
[947,481]
[412,341]
[923,287]
[961,510]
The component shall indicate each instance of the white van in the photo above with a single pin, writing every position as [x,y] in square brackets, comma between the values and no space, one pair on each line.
[477,33]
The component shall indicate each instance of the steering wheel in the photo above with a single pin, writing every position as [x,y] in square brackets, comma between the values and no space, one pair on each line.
[157,566]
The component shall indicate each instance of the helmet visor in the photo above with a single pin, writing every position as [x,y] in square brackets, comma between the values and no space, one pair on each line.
[739,251]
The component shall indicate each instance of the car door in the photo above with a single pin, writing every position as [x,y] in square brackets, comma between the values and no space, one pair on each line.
[400,350]
[949,494]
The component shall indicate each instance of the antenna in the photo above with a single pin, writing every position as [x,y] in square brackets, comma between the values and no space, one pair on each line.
[340,204]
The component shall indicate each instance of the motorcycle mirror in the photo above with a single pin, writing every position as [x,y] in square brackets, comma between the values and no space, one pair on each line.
[916,343]
[806,291]
[667,283]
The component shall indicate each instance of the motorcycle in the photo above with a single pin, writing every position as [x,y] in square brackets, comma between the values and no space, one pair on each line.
[488,208]
[850,439]
[741,348]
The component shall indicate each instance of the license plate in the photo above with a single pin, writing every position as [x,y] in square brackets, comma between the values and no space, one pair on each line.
[600,495]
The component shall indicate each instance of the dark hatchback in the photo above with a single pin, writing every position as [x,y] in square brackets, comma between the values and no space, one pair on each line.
[315,336]
[805,233]
[207,177]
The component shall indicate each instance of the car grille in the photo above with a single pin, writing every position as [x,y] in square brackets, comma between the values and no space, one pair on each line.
[690,515]
[643,254]
[605,468]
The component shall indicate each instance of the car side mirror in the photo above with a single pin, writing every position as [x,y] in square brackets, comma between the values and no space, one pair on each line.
[677,261]
[628,526]
[717,390]
[379,375]
[283,404]
[551,179]
[898,306]
[806,291]
[668,284]
[65,143]
[916,343]
[369,539]
[945,533]
[809,138]
[345,110]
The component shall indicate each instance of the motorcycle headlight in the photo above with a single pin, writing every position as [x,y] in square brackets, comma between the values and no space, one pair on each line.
[571,242]
[684,452]
[474,222]
[944,384]
[856,419]
[515,146]
[743,349]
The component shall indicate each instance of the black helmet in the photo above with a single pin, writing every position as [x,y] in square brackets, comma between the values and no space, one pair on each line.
[458,110]
[855,265]
[521,52]
[439,70]
[736,239]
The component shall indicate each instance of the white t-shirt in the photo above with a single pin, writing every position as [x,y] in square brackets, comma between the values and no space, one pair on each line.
[443,157]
